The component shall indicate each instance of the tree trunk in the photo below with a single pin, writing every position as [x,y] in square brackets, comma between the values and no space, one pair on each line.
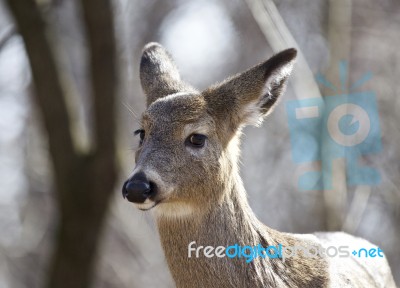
[83,181]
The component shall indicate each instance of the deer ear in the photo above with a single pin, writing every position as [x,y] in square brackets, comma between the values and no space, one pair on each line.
[251,95]
[159,75]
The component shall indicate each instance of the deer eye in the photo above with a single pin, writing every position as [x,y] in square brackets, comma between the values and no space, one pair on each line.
[197,140]
[141,133]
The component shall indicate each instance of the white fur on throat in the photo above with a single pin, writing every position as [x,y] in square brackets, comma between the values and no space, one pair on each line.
[173,210]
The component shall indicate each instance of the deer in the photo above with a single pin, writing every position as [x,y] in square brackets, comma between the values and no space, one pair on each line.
[187,173]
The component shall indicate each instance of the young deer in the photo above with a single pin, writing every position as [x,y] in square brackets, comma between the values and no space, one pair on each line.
[187,172]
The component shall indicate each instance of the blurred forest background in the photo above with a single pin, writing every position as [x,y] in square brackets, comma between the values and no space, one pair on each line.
[52,214]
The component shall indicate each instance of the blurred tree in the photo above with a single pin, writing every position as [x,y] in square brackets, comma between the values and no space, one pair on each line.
[339,40]
[279,37]
[84,180]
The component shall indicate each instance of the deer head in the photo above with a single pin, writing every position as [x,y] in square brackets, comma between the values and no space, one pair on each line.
[189,140]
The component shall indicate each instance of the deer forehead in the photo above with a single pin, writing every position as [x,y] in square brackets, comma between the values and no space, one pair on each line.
[184,111]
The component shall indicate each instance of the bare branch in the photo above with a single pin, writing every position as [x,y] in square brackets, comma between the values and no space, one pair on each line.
[49,94]
[85,208]
[279,37]
[357,208]
[339,36]
[7,35]
[100,33]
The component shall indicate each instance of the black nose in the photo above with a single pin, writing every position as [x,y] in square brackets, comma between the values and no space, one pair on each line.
[138,188]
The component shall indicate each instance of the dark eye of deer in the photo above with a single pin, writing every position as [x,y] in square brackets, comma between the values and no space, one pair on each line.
[141,133]
[197,140]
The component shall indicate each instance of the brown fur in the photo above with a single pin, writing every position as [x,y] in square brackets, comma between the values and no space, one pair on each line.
[201,197]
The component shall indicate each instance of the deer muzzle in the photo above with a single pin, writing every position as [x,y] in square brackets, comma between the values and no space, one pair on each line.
[138,189]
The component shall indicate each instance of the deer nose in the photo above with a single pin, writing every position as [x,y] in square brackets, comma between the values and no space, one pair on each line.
[137,189]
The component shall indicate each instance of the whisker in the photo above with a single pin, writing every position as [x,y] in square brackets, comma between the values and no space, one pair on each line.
[131,110]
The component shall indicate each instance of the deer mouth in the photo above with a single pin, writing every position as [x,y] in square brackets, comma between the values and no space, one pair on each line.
[147,205]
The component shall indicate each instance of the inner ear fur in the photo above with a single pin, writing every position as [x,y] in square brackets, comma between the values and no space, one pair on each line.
[247,97]
[159,75]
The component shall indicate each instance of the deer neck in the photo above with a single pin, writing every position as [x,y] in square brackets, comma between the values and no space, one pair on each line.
[228,223]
